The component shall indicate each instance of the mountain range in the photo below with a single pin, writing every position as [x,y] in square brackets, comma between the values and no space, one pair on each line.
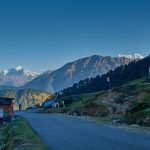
[16,77]
[77,70]
[66,76]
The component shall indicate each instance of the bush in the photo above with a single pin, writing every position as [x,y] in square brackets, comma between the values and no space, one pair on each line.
[95,109]
[140,118]
[139,112]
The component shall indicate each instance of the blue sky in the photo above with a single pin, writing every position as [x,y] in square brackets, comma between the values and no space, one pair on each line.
[46,34]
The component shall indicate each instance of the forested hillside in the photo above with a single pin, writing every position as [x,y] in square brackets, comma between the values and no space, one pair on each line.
[75,71]
[28,97]
[124,97]
[10,93]
[121,75]
[31,97]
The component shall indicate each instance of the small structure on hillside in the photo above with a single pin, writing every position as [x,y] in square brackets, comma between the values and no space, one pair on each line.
[49,102]
[53,103]
[6,107]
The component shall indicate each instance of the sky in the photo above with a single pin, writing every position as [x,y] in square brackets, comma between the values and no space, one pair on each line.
[46,34]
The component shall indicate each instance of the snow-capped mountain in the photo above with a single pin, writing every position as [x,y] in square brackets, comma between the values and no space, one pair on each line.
[75,71]
[134,56]
[17,76]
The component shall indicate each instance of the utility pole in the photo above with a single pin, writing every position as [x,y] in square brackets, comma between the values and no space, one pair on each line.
[108,80]
[149,71]
[109,86]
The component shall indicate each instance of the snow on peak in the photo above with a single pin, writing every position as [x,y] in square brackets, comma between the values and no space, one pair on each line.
[31,73]
[5,72]
[134,56]
[126,56]
[18,68]
[17,76]
[24,71]
[138,56]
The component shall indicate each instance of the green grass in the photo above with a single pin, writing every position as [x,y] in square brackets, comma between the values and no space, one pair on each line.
[24,137]
[6,137]
[141,83]
[87,104]
[138,107]
[138,111]
[138,81]
[82,99]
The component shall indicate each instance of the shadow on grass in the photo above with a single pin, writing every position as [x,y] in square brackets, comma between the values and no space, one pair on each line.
[24,137]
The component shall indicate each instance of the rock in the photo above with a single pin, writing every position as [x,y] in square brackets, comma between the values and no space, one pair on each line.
[115,121]
[146,121]
[134,125]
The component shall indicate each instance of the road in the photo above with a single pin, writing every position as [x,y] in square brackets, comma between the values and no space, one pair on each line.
[60,132]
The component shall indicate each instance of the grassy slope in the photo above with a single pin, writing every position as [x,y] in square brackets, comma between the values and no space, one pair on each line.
[76,101]
[133,97]
[24,137]
[6,137]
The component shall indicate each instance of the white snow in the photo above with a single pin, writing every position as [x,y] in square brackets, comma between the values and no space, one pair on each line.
[126,56]
[5,72]
[138,56]
[18,68]
[17,76]
[31,73]
[134,56]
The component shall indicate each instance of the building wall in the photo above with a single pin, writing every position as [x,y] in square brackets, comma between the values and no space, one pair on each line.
[7,108]
[15,107]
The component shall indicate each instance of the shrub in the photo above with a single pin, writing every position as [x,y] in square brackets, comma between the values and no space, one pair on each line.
[139,112]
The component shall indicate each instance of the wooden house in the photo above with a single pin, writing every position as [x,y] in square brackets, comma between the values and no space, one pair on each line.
[6,105]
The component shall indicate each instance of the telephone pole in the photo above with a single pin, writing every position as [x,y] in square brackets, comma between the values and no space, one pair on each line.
[109,83]
[109,86]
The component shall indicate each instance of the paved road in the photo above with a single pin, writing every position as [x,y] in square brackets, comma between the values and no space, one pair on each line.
[70,133]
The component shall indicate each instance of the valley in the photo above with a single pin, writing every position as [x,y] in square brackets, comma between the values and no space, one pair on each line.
[74,75]
[119,105]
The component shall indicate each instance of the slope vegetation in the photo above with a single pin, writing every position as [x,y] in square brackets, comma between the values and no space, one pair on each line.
[121,75]
[28,97]
[129,103]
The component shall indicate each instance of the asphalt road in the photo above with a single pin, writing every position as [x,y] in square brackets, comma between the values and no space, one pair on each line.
[60,132]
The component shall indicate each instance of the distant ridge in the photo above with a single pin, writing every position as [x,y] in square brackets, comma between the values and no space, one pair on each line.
[16,77]
[75,71]
[119,76]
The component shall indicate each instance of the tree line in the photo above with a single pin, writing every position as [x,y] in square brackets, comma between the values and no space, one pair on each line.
[134,70]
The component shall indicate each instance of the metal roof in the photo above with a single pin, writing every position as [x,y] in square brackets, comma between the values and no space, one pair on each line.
[49,102]
[4,100]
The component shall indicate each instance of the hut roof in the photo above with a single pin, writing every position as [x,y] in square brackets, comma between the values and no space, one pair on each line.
[6,101]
